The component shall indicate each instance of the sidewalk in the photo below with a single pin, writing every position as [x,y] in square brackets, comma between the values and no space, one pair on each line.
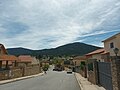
[20,78]
[85,84]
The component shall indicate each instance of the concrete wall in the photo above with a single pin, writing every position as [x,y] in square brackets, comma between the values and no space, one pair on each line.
[97,56]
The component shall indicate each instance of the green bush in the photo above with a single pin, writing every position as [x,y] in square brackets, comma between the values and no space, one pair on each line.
[45,67]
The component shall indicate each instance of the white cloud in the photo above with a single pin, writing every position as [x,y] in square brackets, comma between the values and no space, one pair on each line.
[53,23]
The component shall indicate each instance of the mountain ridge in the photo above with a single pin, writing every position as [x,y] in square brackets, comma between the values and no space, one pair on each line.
[76,48]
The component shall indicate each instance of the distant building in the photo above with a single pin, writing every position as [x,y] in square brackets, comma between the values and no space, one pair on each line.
[24,60]
[78,59]
[6,60]
[44,62]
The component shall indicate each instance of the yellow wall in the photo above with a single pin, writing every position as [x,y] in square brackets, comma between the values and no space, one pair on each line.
[77,62]
[97,56]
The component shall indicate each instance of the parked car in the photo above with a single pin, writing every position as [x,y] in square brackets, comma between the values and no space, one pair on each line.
[54,69]
[57,69]
[69,71]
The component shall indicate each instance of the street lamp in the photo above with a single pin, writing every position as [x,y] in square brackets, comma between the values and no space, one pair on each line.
[116,50]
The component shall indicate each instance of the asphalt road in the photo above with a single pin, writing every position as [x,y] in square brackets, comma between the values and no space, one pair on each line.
[51,81]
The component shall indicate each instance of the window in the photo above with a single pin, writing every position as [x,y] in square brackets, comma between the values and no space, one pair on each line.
[112,45]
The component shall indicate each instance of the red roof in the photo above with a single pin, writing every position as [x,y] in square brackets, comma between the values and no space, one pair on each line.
[25,58]
[96,52]
[105,53]
[8,58]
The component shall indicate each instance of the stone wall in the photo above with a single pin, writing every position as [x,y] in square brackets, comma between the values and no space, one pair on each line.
[82,73]
[4,75]
[92,77]
[31,70]
[92,74]
[16,72]
[115,69]
[19,72]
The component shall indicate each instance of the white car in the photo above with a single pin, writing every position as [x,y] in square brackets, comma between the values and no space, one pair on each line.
[69,71]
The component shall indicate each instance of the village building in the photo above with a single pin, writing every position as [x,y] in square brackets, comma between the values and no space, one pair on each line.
[77,60]
[6,60]
[24,60]
[111,43]
[95,55]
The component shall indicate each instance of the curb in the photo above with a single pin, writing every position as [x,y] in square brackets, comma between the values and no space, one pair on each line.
[18,79]
[80,85]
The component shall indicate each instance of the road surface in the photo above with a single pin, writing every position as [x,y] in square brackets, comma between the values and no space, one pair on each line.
[53,80]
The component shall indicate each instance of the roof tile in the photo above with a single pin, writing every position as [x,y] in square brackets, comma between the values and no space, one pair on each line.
[8,58]
[25,58]
[96,52]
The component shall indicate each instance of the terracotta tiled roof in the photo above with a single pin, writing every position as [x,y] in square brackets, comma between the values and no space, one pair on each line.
[25,58]
[8,58]
[96,52]
[105,53]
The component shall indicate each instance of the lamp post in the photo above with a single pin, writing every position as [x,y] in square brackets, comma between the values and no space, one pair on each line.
[116,50]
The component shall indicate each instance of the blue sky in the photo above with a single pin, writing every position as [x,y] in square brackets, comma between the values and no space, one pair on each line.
[39,24]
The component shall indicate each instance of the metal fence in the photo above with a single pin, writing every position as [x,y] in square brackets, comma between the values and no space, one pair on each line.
[104,75]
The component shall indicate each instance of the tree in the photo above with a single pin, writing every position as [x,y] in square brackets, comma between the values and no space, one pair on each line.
[39,57]
[45,67]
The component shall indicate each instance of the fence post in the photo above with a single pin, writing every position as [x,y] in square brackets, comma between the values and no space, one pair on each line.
[96,72]
[115,70]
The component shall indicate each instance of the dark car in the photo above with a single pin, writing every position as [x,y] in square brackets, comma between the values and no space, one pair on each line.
[54,69]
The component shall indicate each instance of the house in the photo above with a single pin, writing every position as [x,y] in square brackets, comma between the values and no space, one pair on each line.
[44,62]
[6,60]
[111,43]
[78,59]
[96,54]
[2,50]
[24,60]
[79,63]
